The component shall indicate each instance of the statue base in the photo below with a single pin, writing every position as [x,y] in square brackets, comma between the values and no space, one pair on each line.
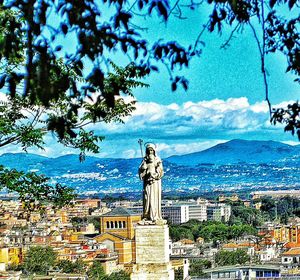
[152,253]
[152,272]
[145,222]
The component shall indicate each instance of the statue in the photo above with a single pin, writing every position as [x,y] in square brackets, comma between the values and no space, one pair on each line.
[151,172]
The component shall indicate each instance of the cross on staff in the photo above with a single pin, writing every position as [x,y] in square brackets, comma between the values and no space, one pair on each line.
[140,141]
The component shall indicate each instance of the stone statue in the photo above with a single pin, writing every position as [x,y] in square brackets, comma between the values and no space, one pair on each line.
[151,172]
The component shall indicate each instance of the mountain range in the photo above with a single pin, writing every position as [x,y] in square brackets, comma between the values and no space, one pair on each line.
[236,164]
[241,151]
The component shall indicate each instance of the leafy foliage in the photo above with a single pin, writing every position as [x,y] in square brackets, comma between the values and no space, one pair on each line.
[120,275]
[280,34]
[210,231]
[178,273]
[239,256]
[281,209]
[67,266]
[26,124]
[34,190]
[32,33]
[197,266]
[79,221]
[41,24]
[96,272]
[39,259]
[223,233]
[290,117]
[241,214]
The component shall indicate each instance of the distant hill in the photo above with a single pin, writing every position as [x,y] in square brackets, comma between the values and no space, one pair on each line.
[231,152]
[23,161]
[64,164]
[240,151]
[234,165]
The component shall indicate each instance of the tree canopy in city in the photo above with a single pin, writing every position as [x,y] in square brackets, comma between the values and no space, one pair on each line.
[239,256]
[39,260]
[210,231]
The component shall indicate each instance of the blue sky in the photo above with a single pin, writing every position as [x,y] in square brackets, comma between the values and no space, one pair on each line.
[225,99]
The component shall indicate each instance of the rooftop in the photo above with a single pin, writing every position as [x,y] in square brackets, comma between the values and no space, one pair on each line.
[242,267]
[120,211]
[292,252]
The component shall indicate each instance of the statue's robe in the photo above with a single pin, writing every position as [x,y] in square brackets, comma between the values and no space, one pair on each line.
[151,189]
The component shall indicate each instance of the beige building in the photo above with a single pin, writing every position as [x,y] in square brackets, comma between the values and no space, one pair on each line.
[117,233]
[276,194]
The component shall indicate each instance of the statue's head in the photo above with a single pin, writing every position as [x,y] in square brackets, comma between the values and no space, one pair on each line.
[150,149]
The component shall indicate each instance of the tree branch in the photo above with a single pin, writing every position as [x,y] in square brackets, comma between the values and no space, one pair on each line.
[226,44]
[9,140]
[29,62]
[200,34]
[262,59]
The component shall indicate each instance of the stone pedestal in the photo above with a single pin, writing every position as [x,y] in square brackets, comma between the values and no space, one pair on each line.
[152,253]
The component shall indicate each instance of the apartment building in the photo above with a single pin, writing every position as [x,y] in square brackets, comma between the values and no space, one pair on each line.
[176,214]
[276,194]
[200,210]
[218,212]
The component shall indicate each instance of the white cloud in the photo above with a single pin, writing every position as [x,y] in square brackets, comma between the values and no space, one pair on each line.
[190,118]
[292,143]
[180,128]
[130,154]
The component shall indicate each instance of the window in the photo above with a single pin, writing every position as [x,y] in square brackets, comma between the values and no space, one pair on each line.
[259,274]
[116,224]
[124,224]
[111,224]
[107,224]
[267,274]
[120,224]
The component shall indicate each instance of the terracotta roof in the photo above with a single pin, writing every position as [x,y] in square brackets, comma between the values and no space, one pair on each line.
[292,245]
[246,244]
[120,211]
[230,245]
[186,241]
[292,252]
[239,245]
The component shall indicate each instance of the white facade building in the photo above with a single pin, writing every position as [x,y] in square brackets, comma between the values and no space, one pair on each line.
[218,212]
[176,214]
[198,211]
